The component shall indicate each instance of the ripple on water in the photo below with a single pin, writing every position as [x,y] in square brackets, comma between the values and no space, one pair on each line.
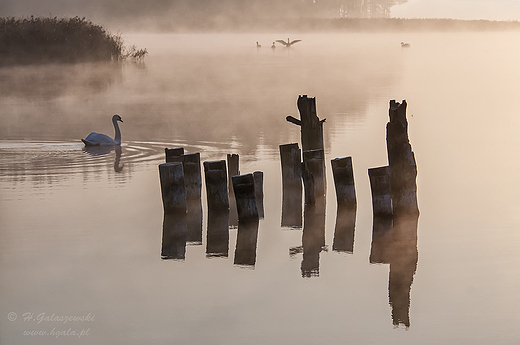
[48,162]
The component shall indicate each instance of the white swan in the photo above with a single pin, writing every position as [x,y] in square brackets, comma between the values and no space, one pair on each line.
[97,139]
[288,43]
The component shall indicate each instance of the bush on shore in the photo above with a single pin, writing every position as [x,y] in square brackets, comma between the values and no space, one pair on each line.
[42,40]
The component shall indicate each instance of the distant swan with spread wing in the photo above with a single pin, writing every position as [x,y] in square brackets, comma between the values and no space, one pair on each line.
[97,139]
[288,43]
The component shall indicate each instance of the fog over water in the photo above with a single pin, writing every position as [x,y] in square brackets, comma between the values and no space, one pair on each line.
[83,230]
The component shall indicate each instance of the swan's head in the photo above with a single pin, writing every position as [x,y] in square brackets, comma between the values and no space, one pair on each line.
[116,118]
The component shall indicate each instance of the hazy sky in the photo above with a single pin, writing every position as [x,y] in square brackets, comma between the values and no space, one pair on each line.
[457,9]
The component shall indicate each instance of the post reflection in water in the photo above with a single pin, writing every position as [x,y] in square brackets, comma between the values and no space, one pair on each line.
[247,236]
[194,221]
[394,239]
[174,236]
[292,207]
[313,238]
[344,230]
[217,237]
[394,242]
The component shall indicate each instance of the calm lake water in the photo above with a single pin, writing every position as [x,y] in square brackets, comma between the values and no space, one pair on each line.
[82,232]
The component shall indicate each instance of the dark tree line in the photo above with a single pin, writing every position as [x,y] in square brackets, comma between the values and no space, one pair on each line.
[238,9]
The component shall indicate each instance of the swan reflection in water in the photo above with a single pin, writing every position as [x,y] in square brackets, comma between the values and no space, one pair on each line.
[103,150]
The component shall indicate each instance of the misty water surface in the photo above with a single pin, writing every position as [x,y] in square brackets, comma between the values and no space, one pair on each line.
[82,231]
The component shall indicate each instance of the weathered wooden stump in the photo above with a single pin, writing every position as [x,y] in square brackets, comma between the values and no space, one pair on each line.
[244,186]
[247,237]
[233,170]
[172,155]
[290,157]
[344,229]
[343,174]
[217,236]
[174,236]
[192,175]
[381,192]
[311,125]
[172,187]
[216,185]
[258,177]
[401,159]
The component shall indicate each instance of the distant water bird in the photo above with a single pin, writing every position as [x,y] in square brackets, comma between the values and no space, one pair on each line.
[405,45]
[258,45]
[273,46]
[97,139]
[288,43]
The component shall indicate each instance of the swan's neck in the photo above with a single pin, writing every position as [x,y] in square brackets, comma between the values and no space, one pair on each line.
[118,131]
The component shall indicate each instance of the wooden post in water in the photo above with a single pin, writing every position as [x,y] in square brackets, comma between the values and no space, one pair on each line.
[233,170]
[290,157]
[172,188]
[216,185]
[172,155]
[381,192]
[244,186]
[311,125]
[192,175]
[344,181]
[258,176]
[401,159]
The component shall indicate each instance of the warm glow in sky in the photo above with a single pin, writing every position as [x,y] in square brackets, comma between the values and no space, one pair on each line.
[459,9]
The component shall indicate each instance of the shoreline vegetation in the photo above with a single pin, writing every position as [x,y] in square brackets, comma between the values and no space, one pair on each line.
[37,40]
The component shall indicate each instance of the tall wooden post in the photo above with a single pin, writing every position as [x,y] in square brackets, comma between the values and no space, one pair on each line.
[401,160]
[311,125]
[233,170]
